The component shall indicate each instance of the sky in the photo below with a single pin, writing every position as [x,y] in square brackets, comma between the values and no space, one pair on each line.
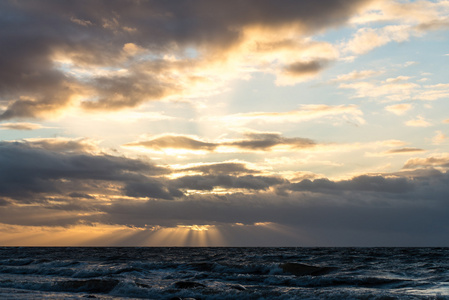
[224,123]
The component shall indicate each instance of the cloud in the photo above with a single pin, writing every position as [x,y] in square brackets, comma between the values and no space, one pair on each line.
[397,79]
[174,142]
[120,92]
[228,182]
[421,12]
[438,86]
[396,151]
[419,122]
[367,39]
[305,113]
[73,188]
[393,91]
[404,150]
[434,161]
[305,68]
[439,138]
[433,92]
[434,25]
[360,183]
[253,141]
[397,89]
[399,109]
[80,195]
[223,168]
[415,19]
[381,206]
[20,126]
[112,55]
[150,188]
[267,141]
[355,75]
[32,172]
[63,144]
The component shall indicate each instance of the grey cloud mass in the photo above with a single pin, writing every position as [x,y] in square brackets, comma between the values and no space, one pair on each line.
[92,34]
[29,173]
[364,183]
[233,168]
[209,182]
[62,145]
[90,189]
[406,215]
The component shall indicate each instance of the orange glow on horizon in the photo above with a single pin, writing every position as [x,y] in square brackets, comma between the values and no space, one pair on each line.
[111,235]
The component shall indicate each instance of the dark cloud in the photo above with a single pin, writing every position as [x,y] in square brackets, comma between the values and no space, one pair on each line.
[392,209]
[209,182]
[377,184]
[119,92]
[63,145]
[306,68]
[356,217]
[28,80]
[80,195]
[265,141]
[405,150]
[29,173]
[221,169]
[92,34]
[150,188]
[4,202]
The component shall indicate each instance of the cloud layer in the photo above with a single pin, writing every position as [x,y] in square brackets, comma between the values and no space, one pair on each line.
[110,55]
[63,188]
[252,142]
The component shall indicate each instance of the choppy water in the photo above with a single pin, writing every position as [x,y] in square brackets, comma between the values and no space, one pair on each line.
[224,273]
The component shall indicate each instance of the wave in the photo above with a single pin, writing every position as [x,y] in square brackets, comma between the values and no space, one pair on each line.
[227,273]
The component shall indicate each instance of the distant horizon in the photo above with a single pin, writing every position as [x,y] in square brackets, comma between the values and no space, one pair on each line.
[224,123]
[364,247]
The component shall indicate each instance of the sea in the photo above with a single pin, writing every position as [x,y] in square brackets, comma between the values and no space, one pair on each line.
[175,273]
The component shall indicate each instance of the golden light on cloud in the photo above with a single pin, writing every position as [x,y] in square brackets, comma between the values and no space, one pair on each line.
[439,138]
[439,161]
[304,113]
[419,122]
[21,126]
[399,109]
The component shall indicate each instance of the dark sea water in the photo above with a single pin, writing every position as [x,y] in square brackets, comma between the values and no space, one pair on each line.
[224,273]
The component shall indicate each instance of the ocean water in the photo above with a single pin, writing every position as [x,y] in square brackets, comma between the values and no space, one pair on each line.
[224,273]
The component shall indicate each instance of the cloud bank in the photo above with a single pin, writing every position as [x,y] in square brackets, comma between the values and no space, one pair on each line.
[110,55]
[42,187]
